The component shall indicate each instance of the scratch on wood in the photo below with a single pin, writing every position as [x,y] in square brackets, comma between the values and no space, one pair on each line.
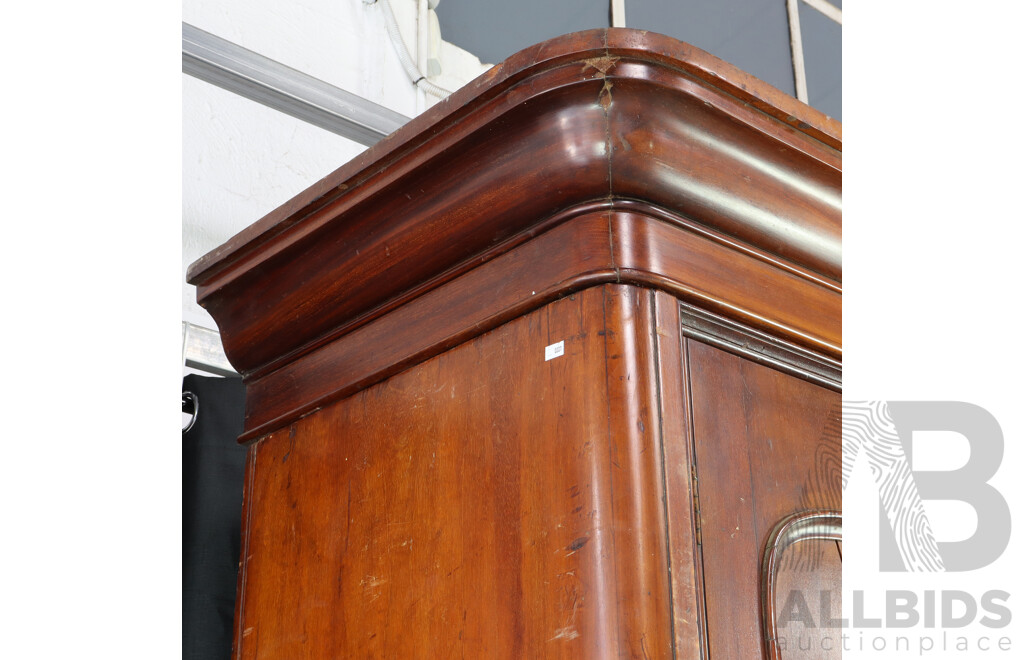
[576,545]
[605,95]
[291,444]
[602,64]
[348,512]
[370,585]
[566,633]
[569,632]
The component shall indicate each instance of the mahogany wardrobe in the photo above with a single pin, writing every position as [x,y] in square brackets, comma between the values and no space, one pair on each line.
[553,371]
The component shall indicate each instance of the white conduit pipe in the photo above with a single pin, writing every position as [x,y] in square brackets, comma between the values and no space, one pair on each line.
[408,64]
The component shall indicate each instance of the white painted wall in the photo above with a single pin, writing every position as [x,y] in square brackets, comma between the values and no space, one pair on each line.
[240,159]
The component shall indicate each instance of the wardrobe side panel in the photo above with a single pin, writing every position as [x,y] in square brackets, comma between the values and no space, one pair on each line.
[465,507]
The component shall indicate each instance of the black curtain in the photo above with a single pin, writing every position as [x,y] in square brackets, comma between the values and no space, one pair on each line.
[213,469]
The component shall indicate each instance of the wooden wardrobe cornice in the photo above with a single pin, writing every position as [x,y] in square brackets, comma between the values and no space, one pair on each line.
[603,156]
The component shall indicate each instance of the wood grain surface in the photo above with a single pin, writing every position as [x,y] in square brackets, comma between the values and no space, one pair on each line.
[626,246]
[601,116]
[764,450]
[613,501]
[485,503]
[423,483]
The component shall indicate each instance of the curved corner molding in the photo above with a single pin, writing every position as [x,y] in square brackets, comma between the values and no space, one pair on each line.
[603,156]
[822,525]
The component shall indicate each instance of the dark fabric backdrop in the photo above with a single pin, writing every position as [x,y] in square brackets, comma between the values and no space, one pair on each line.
[213,468]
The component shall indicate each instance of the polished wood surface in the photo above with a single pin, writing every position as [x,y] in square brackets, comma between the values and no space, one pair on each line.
[765,447]
[801,596]
[489,503]
[423,483]
[613,115]
[814,579]
[686,568]
[596,247]
[486,503]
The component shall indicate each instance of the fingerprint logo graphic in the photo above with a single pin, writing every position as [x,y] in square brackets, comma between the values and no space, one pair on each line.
[868,428]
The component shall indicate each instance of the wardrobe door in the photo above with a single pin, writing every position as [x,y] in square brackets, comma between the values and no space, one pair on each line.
[766,448]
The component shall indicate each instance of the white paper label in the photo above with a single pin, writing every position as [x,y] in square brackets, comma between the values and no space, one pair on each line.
[554,350]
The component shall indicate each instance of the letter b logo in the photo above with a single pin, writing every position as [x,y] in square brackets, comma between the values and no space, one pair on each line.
[883,431]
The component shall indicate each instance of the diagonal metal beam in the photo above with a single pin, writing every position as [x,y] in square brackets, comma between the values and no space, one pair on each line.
[258,78]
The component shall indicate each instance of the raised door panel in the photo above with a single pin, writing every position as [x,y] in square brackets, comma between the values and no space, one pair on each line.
[805,603]
[766,445]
